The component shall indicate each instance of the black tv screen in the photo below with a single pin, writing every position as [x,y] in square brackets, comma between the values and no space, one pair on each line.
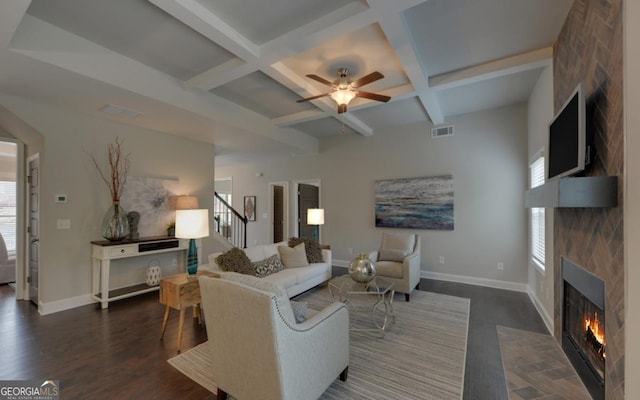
[567,137]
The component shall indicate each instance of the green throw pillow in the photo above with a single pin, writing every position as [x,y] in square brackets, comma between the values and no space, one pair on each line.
[235,260]
[311,246]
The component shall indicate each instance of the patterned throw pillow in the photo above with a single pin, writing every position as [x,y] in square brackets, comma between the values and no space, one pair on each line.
[299,310]
[236,261]
[311,246]
[267,267]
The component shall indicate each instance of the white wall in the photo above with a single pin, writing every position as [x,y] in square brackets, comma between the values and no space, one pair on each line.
[487,157]
[632,194]
[539,114]
[65,256]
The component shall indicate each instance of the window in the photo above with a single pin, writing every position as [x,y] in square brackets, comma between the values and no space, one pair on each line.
[8,214]
[536,170]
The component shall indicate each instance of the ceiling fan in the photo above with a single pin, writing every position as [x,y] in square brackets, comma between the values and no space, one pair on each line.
[343,89]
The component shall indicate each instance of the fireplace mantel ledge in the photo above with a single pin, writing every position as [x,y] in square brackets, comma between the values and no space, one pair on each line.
[576,192]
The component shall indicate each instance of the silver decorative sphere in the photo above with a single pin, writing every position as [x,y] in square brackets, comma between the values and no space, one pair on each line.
[362,269]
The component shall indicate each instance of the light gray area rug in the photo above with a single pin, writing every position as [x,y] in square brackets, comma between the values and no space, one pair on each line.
[422,356]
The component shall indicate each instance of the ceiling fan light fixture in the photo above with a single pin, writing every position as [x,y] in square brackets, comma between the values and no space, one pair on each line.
[343,96]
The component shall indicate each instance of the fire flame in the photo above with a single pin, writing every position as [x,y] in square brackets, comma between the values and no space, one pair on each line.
[597,328]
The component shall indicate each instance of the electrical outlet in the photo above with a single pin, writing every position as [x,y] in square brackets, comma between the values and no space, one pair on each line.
[500,266]
[441,261]
[174,263]
[350,249]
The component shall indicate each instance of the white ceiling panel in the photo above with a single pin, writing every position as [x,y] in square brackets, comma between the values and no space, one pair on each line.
[492,93]
[263,95]
[324,127]
[262,21]
[401,112]
[136,29]
[454,34]
[361,52]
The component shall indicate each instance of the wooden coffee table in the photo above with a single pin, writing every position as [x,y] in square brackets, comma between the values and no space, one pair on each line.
[181,292]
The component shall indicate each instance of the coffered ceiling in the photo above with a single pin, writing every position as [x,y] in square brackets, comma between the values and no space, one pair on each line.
[229,72]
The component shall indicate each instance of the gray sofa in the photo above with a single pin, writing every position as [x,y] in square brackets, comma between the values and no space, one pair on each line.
[294,280]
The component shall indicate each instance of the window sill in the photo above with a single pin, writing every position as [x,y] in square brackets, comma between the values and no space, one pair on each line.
[539,266]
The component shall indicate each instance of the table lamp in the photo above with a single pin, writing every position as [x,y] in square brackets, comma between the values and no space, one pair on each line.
[315,216]
[192,224]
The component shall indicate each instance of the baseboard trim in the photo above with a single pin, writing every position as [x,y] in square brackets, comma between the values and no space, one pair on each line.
[65,304]
[492,283]
[546,318]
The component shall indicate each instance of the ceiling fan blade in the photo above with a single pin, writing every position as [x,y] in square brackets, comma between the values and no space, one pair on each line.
[312,97]
[365,80]
[320,79]
[373,96]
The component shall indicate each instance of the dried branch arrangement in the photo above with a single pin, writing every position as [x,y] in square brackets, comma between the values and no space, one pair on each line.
[118,165]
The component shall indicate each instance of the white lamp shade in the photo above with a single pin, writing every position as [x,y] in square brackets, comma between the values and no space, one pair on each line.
[315,216]
[192,224]
[186,202]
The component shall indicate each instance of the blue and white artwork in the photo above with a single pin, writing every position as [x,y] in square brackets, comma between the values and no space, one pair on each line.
[418,203]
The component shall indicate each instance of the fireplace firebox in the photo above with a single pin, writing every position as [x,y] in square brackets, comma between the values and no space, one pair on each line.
[583,326]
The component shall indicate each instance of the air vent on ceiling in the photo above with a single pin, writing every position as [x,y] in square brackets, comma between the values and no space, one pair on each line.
[441,131]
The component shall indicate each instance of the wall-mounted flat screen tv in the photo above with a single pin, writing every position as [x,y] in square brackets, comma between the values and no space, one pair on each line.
[568,137]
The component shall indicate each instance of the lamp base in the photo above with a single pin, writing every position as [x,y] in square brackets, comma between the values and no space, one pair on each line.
[192,258]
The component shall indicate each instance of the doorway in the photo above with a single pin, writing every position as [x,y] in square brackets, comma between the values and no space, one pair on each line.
[9,214]
[33,230]
[308,197]
[279,195]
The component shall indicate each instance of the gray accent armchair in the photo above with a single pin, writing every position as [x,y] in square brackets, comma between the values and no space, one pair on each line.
[258,351]
[398,261]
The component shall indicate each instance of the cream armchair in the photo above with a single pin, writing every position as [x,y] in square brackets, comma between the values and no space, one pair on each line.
[7,264]
[258,351]
[398,261]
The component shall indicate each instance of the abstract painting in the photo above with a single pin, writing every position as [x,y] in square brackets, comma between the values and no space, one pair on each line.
[418,203]
[150,197]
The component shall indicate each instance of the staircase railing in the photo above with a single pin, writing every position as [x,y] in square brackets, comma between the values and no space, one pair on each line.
[229,222]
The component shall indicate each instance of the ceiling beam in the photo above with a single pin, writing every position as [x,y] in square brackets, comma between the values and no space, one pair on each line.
[397,32]
[505,66]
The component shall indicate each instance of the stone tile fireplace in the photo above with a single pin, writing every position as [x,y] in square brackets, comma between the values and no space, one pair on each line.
[589,49]
[583,326]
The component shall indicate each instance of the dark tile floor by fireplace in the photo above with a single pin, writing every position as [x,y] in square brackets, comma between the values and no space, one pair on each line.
[117,353]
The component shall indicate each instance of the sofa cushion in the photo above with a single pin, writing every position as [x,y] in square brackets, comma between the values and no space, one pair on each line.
[392,255]
[313,270]
[235,260]
[312,248]
[267,266]
[255,253]
[280,293]
[285,278]
[389,269]
[398,241]
[293,257]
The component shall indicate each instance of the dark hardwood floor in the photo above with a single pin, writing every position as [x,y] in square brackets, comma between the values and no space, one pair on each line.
[117,353]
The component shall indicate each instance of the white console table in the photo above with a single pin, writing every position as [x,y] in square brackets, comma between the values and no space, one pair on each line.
[103,251]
